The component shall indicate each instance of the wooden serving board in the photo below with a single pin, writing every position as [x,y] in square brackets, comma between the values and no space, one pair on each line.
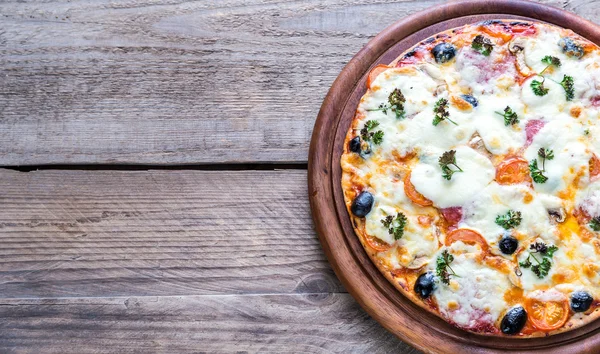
[361,278]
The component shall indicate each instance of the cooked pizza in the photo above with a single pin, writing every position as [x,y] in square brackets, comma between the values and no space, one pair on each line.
[471,174]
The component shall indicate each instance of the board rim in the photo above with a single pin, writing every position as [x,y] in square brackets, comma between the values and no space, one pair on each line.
[414,326]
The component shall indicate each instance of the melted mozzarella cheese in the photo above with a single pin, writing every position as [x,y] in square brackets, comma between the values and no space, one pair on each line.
[499,138]
[548,106]
[547,44]
[473,297]
[571,155]
[418,240]
[421,135]
[480,213]
[427,178]
[417,86]
[588,199]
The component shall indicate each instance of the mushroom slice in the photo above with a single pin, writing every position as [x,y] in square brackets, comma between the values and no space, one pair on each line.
[433,71]
[517,48]
[515,277]
[418,262]
[476,143]
[557,216]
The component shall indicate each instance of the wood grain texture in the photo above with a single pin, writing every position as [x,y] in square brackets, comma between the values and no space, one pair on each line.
[308,323]
[117,233]
[180,82]
[83,252]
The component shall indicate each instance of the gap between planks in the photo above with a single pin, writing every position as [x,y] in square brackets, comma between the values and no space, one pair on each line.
[147,167]
[69,233]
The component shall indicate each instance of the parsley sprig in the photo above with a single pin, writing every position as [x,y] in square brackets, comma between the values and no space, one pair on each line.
[443,269]
[509,220]
[542,267]
[538,87]
[395,225]
[567,85]
[510,116]
[551,61]
[595,223]
[482,44]
[395,104]
[567,82]
[368,135]
[448,159]
[441,112]
[537,174]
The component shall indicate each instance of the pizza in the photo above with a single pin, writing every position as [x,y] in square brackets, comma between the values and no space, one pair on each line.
[471,175]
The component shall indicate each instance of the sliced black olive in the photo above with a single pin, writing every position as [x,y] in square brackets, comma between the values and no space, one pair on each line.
[355,144]
[514,320]
[581,301]
[472,100]
[508,245]
[570,47]
[362,204]
[443,52]
[425,284]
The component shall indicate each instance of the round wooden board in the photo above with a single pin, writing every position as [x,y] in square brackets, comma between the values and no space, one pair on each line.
[361,278]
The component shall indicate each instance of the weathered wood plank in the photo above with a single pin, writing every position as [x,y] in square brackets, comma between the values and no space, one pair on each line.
[309,323]
[180,82]
[122,233]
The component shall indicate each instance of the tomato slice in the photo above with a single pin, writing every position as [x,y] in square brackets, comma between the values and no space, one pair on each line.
[547,315]
[497,32]
[412,193]
[513,170]
[594,167]
[377,244]
[467,236]
[375,72]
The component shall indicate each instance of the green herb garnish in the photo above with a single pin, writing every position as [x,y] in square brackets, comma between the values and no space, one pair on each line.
[395,104]
[538,87]
[537,174]
[395,225]
[509,220]
[567,85]
[443,265]
[510,117]
[441,112]
[482,44]
[550,60]
[595,223]
[542,267]
[368,135]
[448,159]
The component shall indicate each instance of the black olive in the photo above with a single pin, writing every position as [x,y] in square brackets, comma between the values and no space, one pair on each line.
[581,301]
[472,100]
[443,52]
[355,144]
[570,47]
[425,284]
[508,245]
[514,320]
[362,204]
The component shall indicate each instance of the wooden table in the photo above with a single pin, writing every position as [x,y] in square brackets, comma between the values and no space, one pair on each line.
[153,184]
